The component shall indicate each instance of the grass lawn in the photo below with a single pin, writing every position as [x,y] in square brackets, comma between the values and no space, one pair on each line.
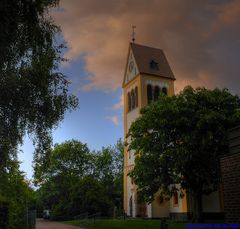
[125,224]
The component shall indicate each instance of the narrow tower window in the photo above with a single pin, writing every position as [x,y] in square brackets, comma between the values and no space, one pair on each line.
[164,90]
[149,93]
[175,198]
[129,101]
[156,92]
[136,96]
[133,99]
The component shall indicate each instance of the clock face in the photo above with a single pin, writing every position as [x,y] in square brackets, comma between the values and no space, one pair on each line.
[130,67]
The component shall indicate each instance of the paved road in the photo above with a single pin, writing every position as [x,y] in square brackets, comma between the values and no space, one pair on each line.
[44,224]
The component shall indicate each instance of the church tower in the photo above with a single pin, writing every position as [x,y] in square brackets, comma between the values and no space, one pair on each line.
[147,74]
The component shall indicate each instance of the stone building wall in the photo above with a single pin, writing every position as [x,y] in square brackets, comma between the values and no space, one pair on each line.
[230,169]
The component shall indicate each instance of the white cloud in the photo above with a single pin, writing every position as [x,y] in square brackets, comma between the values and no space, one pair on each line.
[119,104]
[115,119]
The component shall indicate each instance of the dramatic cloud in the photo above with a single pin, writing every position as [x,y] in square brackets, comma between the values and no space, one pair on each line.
[200,38]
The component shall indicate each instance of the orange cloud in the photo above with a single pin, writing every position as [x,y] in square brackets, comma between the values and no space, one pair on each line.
[198,53]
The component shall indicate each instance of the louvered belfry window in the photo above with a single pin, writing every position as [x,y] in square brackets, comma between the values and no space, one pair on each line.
[136,96]
[156,92]
[133,99]
[149,93]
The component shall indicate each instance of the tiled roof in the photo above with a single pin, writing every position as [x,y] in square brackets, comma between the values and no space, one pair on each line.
[151,61]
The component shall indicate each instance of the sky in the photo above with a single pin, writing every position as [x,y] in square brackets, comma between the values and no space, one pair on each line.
[200,38]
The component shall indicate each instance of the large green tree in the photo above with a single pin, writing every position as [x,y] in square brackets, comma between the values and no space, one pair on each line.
[76,180]
[33,93]
[67,164]
[108,169]
[180,139]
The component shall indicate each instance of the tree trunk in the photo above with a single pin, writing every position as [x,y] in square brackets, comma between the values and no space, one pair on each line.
[197,207]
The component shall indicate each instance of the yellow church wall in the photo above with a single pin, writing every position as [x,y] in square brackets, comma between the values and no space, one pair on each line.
[128,118]
[141,82]
[181,206]
[160,209]
[184,202]
[176,208]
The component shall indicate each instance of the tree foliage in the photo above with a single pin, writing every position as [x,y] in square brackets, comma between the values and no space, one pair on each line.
[77,180]
[33,94]
[180,139]
[16,198]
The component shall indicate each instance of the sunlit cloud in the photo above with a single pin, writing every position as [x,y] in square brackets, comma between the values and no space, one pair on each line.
[200,38]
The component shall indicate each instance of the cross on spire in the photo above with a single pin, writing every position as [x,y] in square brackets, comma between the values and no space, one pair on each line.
[133,33]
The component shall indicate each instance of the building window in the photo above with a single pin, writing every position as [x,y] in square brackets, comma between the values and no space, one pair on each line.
[136,96]
[133,99]
[175,198]
[156,92]
[164,90]
[160,199]
[149,93]
[129,101]
[154,65]
[131,207]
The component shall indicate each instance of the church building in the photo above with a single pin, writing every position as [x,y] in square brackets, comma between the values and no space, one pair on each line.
[147,74]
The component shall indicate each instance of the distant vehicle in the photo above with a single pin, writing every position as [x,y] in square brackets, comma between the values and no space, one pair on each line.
[46,214]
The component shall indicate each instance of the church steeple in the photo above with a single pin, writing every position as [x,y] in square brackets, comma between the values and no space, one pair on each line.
[146,60]
[147,74]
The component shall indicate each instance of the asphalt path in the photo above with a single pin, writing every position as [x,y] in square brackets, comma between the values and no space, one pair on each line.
[45,224]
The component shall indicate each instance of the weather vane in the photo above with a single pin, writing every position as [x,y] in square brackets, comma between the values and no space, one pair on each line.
[133,33]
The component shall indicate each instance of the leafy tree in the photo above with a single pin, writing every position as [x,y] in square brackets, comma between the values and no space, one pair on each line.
[104,166]
[88,195]
[180,139]
[118,178]
[109,170]
[68,163]
[33,94]
[77,180]
[16,198]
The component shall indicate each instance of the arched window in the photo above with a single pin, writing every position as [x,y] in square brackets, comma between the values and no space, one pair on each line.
[136,96]
[131,207]
[160,199]
[156,92]
[129,101]
[175,198]
[164,90]
[133,99]
[149,93]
